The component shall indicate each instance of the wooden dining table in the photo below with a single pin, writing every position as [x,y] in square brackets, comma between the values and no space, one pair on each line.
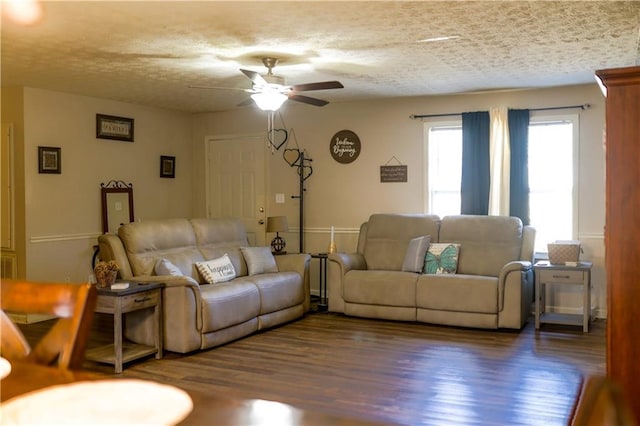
[207,409]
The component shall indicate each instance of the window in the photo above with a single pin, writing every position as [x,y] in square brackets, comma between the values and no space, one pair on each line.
[552,178]
[553,156]
[444,153]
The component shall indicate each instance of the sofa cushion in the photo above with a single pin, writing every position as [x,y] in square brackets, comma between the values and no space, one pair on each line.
[416,251]
[488,242]
[388,235]
[215,237]
[217,270]
[389,288]
[459,293]
[172,239]
[165,267]
[228,304]
[259,260]
[442,258]
[278,291]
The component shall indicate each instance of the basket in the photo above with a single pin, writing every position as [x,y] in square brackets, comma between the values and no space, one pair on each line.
[561,252]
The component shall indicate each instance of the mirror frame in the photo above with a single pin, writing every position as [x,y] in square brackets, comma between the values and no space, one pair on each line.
[114,186]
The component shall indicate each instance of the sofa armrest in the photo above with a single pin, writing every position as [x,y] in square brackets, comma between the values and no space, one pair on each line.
[168,280]
[297,263]
[516,265]
[111,248]
[182,306]
[339,265]
[348,261]
[176,281]
[515,293]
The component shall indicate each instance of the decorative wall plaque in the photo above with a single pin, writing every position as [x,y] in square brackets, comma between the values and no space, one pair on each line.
[345,146]
[393,174]
[114,128]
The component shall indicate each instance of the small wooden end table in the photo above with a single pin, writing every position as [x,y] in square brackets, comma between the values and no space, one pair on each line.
[579,275]
[119,302]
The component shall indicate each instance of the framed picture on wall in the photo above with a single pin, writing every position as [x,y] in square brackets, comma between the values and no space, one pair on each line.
[167,166]
[115,128]
[49,160]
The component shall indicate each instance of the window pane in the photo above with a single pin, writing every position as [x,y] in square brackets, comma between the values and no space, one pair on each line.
[445,170]
[551,181]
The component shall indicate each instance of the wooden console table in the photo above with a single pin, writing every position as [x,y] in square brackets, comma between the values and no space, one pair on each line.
[119,302]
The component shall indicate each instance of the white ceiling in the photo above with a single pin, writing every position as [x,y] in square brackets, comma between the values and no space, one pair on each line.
[149,52]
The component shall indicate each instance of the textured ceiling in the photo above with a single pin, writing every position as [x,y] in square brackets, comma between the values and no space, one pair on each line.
[149,52]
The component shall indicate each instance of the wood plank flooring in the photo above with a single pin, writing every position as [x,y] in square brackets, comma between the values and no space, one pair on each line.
[395,372]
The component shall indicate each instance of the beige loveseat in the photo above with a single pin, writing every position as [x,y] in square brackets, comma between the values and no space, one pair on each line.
[492,288]
[198,315]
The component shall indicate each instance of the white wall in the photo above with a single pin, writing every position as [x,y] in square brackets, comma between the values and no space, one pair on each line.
[344,195]
[63,212]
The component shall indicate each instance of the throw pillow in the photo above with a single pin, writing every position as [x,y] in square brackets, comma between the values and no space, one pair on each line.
[416,251]
[259,260]
[217,270]
[442,258]
[165,267]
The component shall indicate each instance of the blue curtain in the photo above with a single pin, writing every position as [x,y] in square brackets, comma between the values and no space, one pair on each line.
[475,163]
[519,186]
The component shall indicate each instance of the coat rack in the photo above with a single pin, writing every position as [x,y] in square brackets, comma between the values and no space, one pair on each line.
[304,172]
[294,157]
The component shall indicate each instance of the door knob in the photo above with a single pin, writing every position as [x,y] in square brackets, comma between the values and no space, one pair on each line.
[261,221]
[261,209]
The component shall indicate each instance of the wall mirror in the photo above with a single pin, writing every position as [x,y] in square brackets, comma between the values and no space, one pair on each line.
[117,205]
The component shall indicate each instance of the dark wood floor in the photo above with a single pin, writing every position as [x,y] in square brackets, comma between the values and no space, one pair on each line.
[404,373]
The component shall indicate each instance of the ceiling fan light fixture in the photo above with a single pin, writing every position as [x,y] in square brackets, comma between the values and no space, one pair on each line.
[269,101]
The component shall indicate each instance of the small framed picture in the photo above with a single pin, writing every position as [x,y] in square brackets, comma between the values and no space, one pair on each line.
[167,166]
[115,128]
[49,160]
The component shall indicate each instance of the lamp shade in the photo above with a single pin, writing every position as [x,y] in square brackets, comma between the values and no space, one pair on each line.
[277,224]
[269,101]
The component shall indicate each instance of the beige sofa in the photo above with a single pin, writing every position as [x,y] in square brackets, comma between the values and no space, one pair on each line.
[197,315]
[493,286]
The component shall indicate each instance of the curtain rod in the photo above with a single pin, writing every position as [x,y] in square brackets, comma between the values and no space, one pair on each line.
[582,107]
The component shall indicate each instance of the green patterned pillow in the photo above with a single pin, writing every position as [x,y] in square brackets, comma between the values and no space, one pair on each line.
[442,258]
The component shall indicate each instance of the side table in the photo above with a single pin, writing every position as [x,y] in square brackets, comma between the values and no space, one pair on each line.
[322,303]
[118,303]
[579,275]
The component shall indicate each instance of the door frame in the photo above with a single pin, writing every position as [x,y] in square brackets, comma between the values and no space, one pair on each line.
[7,135]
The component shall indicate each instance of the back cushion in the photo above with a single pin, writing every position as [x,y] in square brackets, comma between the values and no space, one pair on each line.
[388,236]
[215,237]
[487,242]
[171,239]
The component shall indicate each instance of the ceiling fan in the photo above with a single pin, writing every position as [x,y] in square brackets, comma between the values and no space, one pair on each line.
[269,92]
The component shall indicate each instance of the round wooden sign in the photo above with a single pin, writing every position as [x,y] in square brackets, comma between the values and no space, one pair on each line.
[345,146]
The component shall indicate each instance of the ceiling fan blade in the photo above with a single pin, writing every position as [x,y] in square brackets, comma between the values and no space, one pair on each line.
[246,102]
[307,100]
[217,88]
[255,77]
[317,86]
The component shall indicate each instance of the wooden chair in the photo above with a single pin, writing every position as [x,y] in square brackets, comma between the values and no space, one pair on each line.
[65,343]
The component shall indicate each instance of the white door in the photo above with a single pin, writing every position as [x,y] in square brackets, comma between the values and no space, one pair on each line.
[236,182]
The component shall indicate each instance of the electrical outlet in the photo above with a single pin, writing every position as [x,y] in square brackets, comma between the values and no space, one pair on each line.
[279,198]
